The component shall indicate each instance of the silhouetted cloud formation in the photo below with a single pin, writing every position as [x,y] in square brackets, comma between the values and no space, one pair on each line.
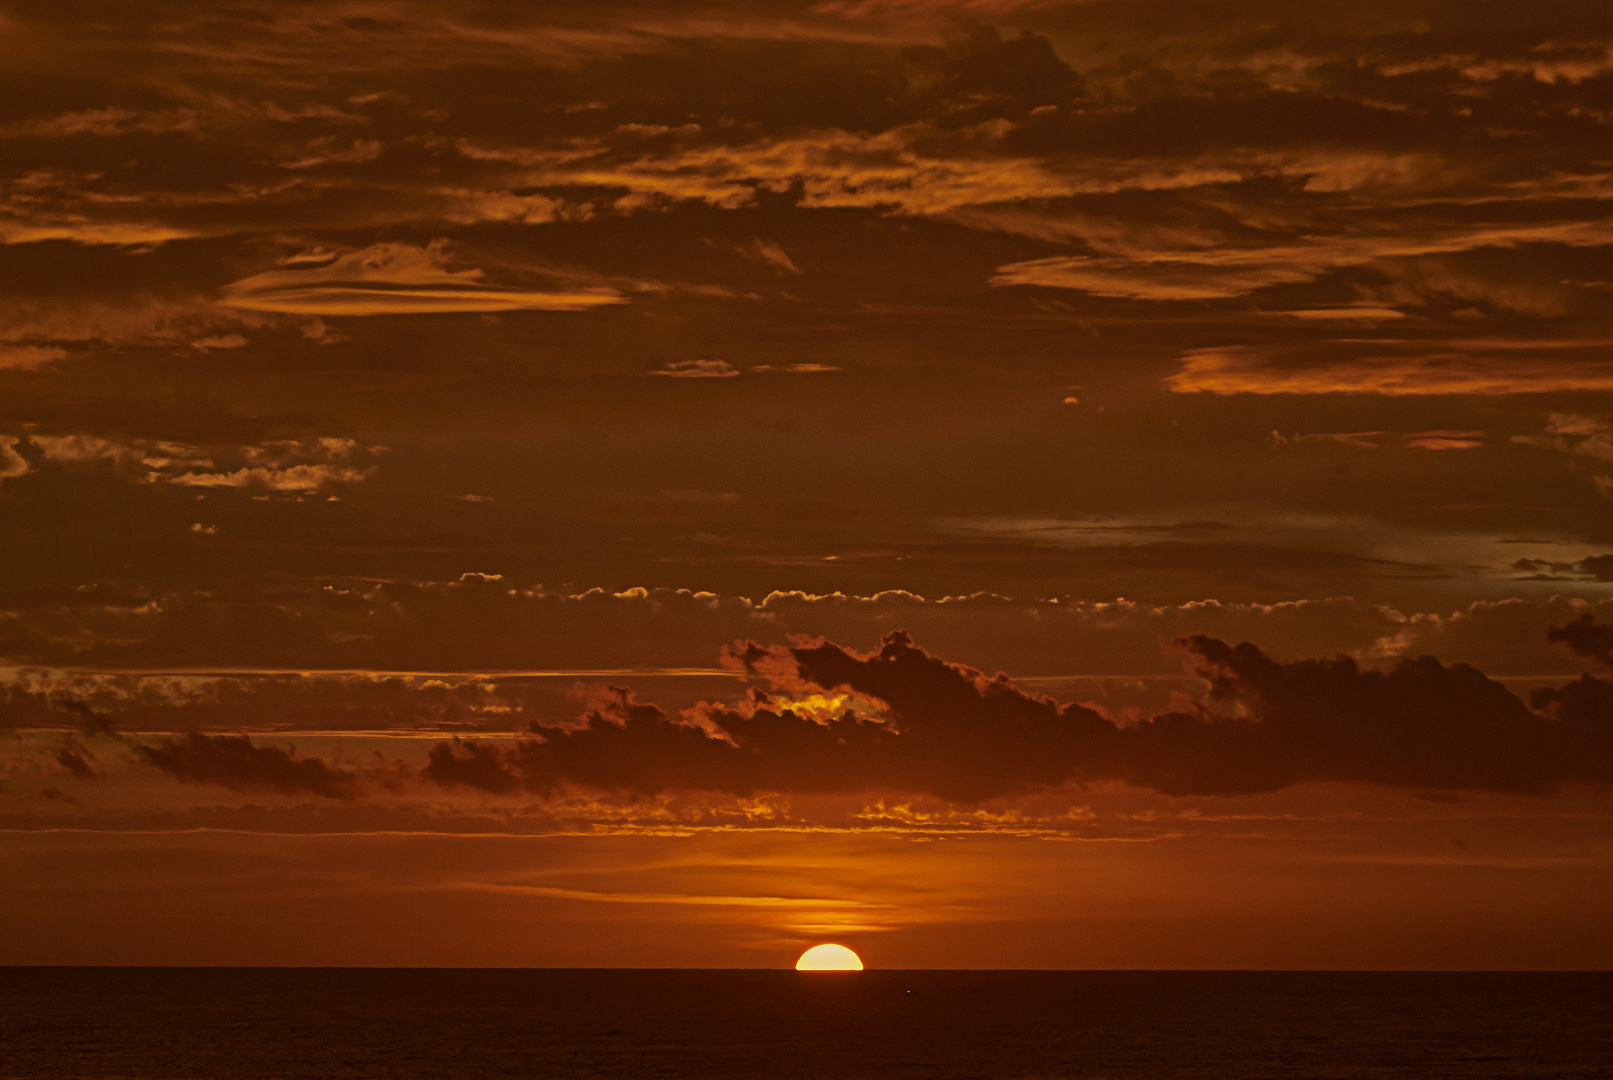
[903,720]
[71,754]
[1587,637]
[233,761]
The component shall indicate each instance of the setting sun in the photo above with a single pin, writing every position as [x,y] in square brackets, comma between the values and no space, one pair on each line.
[829,958]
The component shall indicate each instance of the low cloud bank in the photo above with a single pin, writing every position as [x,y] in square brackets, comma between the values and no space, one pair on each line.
[235,762]
[903,720]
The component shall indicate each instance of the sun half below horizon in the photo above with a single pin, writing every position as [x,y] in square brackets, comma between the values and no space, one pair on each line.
[829,958]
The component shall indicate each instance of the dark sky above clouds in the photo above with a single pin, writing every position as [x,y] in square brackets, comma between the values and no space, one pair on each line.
[641,433]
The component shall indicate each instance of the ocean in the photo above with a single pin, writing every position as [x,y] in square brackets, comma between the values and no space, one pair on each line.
[398,1024]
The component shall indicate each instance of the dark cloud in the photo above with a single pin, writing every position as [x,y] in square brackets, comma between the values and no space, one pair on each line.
[71,754]
[1598,566]
[903,720]
[1585,636]
[235,762]
[1418,724]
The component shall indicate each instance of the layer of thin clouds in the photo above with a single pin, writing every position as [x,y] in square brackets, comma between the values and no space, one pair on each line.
[29,357]
[1374,440]
[219,341]
[29,328]
[468,206]
[481,634]
[294,467]
[902,722]
[1392,368]
[862,9]
[1570,433]
[344,39]
[107,233]
[398,279]
[834,169]
[1221,272]
[697,369]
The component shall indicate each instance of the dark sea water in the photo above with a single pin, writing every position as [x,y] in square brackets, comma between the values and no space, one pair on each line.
[245,1024]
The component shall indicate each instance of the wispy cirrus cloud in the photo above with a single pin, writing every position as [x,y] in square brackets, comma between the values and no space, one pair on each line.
[1223,271]
[399,279]
[108,233]
[1395,368]
[697,369]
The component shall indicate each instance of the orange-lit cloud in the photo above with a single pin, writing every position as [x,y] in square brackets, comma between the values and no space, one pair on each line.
[698,369]
[113,233]
[1225,271]
[1391,367]
[29,357]
[397,279]
[286,465]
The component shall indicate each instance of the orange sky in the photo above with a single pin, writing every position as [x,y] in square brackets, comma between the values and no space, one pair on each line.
[1011,483]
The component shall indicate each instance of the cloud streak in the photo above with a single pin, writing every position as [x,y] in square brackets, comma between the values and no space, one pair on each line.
[235,762]
[398,279]
[1394,368]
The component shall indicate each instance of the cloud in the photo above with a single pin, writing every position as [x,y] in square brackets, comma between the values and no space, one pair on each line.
[1223,271]
[1392,368]
[292,478]
[398,279]
[769,252]
[863,9]
[1374,440]
[833,168]
[697,369]
[109,233]
[234,762]
[12,464]
[1214,276]
[324,151]
[286,465]
[28,357]
[902,720]
[290,465]
[467,625]
[1444,440]
[1570,433]
[219,341]
[469,207]
[1587,638]
[1361,440]
[72,755]
[130,321]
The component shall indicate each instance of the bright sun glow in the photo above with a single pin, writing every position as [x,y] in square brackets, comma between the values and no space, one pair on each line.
[829,958]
